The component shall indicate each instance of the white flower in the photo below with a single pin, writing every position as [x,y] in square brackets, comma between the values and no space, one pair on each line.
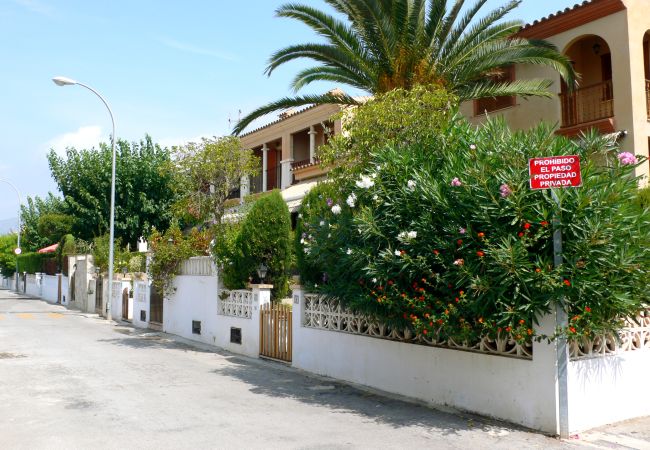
[398,253]
[306,250]
[329,235]
[351,200]
[336,209]
[374,280]
[375,197]
[322,222]
[407,235]
[366,182]
[411,185]
[348,252]
[302,241]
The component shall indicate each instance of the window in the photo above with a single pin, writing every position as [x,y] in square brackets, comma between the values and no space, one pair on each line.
[484,105]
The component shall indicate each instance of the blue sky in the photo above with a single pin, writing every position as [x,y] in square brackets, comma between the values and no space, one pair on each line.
[175,70]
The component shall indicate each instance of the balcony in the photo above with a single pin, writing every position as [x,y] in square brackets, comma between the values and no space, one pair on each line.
[588,107]
[273,177]
[306,169]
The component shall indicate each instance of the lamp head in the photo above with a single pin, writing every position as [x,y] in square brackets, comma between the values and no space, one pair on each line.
[63,81]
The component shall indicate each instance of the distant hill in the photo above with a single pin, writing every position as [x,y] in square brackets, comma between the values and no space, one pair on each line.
[8,225]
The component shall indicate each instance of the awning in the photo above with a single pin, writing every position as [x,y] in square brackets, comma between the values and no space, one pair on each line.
[50,249]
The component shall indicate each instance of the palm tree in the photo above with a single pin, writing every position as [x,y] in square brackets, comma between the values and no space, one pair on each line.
[388,44]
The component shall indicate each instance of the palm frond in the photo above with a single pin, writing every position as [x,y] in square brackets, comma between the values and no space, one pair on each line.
[521,88]
[331,74]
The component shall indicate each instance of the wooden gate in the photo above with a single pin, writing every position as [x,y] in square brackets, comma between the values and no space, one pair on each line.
[275,332]
[155,306]
[99,294]
[125,304]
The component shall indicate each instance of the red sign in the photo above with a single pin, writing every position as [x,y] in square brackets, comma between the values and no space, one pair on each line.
[555,172]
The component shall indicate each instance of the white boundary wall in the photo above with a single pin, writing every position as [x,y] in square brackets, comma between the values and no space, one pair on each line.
[608,389]
[141,292]
[50,288]
[602,389]
[517,390]
[196,298]
[33,285]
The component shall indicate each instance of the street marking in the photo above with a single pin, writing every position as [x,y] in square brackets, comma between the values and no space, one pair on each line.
[25,315]
[55,315]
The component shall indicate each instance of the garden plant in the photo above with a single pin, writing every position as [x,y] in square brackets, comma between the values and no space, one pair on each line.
[444,235]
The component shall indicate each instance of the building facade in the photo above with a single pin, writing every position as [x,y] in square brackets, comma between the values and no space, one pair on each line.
[608,44]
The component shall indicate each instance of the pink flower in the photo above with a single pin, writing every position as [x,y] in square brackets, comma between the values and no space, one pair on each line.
[459,262]
[505,190]
[627,158]
[462,231]
[456,182]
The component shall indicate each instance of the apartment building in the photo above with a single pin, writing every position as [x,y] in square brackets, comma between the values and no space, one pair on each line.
[608,42]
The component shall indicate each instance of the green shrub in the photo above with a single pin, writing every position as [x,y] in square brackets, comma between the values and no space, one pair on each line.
[228,256]
[169,249]
[265,237]
[398,117]
[445,236]
[7,256]
[643,197]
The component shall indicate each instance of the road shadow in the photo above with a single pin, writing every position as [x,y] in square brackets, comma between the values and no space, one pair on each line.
[281,381]
[146,339]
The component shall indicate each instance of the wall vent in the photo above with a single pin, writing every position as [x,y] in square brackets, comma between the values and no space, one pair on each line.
[143,315]
[235,335]
[196,327]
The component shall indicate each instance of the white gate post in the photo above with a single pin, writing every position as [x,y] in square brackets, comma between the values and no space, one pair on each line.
[261,297]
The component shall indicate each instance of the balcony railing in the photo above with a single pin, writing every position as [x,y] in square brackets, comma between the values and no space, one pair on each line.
[273,178]
[647,97]
[587,104]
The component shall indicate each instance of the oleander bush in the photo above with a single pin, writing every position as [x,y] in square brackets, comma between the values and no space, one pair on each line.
[444,235]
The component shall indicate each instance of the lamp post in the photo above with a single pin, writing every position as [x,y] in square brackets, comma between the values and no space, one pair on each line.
[17,250]
[63,81]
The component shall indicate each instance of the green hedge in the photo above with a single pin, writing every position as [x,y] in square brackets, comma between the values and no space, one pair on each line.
[31,262]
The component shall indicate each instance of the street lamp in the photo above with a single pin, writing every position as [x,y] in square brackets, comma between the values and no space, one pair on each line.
[63,81]
[17,250]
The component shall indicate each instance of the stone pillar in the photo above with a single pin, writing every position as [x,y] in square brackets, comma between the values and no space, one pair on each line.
[265,167]
[312,144]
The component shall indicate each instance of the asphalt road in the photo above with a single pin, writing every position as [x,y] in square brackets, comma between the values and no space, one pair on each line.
[72,380]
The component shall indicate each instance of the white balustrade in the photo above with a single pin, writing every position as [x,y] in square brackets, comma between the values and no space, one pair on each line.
[635,336]
[238,303]
[328,314]
[197,265]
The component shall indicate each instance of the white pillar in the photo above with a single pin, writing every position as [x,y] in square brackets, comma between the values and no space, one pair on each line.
[244,190]
[265,166]
[312,144]
[286,173]
[261,297]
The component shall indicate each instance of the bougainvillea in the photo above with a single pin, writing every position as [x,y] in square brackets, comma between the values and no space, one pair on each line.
[445,236]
